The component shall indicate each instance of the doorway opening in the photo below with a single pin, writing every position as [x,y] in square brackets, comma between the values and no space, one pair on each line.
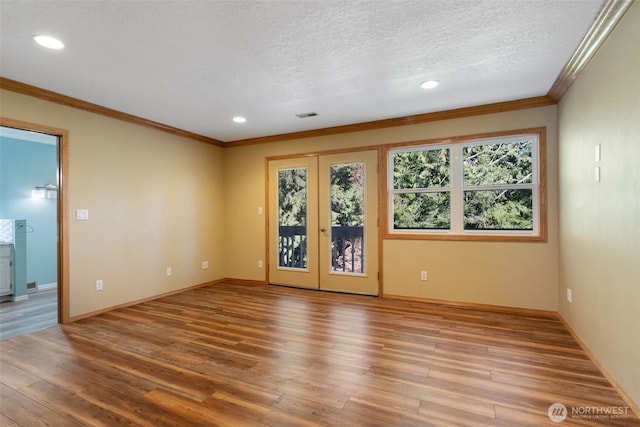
[33,290]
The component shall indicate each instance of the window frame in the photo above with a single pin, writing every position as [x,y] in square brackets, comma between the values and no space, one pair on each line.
[456,188]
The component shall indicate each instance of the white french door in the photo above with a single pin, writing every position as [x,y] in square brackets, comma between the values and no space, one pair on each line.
[323,222]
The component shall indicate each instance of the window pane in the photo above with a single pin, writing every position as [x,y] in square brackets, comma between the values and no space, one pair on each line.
[498,210]
[347,217]
[421,211]
[292,217]
[502,163]
[421,169]
[347,194]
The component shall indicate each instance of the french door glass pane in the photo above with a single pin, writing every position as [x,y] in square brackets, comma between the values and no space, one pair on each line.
[292,217]
[347,217]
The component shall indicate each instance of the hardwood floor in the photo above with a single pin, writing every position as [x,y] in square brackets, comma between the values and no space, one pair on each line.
[240,355]
[37,312]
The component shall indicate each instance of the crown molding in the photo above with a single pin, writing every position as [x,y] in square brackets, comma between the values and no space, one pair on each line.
[47,95]
[609,16]
[58,98]
[498,107]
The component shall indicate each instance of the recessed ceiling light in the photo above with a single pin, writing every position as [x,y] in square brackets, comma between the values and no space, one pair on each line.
[239,119]
[429,84]
[50,42]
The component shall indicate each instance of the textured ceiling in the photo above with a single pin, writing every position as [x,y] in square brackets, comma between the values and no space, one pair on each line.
[194,65]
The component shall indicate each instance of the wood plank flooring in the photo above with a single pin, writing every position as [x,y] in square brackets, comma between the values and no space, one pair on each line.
[240,355]
[39,311]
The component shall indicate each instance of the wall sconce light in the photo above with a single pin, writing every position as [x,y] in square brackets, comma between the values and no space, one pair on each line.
[48,191]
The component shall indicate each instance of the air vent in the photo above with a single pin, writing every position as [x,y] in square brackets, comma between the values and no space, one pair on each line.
[305,115]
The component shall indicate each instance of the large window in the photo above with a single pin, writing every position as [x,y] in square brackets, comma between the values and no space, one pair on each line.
[480,187]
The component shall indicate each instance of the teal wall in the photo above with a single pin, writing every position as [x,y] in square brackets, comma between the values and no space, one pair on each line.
[23,166]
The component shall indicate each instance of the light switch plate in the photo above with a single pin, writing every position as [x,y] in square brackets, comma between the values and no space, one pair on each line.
[82,214]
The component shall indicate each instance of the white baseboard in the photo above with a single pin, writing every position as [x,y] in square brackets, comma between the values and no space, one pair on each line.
[47,286]
[20,298]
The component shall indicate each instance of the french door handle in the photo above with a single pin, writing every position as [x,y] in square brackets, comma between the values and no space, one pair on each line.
[324,230]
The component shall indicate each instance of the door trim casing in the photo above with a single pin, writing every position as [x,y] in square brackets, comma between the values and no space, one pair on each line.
[376,148]
[62,206]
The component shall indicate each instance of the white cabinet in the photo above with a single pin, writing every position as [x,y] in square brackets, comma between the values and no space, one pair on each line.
[6,269]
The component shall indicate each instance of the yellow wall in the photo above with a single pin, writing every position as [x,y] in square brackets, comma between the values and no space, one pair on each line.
[158,200]
[600,223]
[154,199]
[511,274]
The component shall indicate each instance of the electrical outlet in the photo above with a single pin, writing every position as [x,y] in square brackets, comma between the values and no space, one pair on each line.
[169,271]
[423,275]
[569,295]
[98,285]
[205,265]
[259,263]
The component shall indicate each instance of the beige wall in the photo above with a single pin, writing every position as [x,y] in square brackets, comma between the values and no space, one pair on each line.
[511,274]
[154,199]
[158,200]
[600,223]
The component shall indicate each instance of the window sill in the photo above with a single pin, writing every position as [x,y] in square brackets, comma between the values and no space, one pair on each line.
[465,237]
